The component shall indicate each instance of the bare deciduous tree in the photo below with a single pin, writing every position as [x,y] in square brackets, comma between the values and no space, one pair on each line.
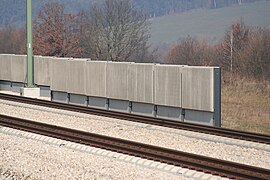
[116,31]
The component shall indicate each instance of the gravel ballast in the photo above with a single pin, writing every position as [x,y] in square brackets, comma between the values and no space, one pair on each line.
[28,159]
[139,132]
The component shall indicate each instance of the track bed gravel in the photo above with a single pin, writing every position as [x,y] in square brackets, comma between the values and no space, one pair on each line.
[160,136]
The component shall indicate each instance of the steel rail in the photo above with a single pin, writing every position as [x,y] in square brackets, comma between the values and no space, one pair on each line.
[224,132]
[200,163]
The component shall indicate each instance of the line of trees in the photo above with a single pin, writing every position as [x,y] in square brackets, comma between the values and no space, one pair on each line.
[244,51]
[116,31]
[113,30]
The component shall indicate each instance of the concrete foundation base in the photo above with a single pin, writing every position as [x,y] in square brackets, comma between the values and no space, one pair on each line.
[119,105]
[16,87]
[169,113]
[30,92]
[5,85]
[98,102]
[45,91]
[199,117]
[78,99]
[143,109]
[58,96]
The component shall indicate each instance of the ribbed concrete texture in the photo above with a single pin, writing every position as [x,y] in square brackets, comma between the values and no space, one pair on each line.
[168,85]
[59,74]
[141,83]
[117,80]
[42,70]
[198,88]
[5,65]
[18,68]
[95,78]
[76,76]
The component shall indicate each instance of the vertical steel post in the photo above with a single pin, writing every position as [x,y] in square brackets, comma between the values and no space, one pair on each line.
[30,62]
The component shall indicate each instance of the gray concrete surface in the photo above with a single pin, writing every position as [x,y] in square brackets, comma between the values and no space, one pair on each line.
[58,96]
[199,117]
[5,85]
[45,91]
[168,85]
[98,102]
[5,64]
[141,83]
[59,74]
[117,80]
[119,105]
[18,68]
[198,88]
[166,112]
[143,109]
[77,99]
[95,78]
[16,86]
[30,92]
[76,76]
[42,70]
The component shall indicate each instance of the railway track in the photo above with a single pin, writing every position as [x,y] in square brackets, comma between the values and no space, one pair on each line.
[178,158]
[248,136]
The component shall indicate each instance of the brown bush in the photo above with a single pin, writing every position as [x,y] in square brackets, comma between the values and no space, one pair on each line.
[191,51]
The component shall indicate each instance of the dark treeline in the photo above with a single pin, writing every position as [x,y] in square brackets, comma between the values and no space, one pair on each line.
[115,30]
[12,12]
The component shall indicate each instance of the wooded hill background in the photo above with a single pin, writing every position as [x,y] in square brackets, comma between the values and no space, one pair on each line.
[13,11]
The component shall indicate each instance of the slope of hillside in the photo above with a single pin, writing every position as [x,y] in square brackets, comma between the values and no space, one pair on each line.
[208,24]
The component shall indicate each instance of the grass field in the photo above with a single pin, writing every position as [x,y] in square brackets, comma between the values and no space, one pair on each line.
[208,24]
[246,106]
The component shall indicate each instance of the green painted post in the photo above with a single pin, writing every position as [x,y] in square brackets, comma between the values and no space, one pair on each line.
[30,62]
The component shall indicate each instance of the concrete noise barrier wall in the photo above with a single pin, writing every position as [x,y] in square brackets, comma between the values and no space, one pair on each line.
[198,88]
[42,70]
[117,80]
[5,65]
[76,76]
[141,83]
[168,85]
[96,78]
[59,74]
[18,68]
[185,93]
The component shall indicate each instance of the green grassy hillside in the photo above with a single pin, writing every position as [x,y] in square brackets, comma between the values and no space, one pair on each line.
[208,24]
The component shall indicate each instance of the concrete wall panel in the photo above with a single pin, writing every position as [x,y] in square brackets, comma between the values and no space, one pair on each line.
[96,78]
[141,83]
[76,76]
[5,67]
[18,68]
[117,80]
[198,88]
[168,85]
[59,74]
[42,70]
